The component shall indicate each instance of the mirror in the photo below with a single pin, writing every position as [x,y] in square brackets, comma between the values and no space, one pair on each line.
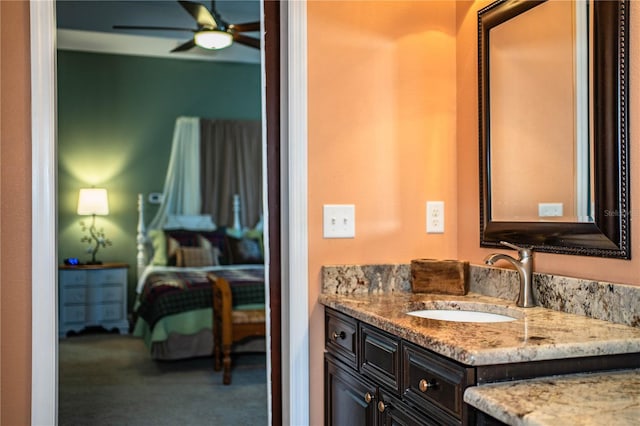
[553,126]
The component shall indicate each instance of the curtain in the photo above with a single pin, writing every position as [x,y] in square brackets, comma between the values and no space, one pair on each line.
[182,183]
[231,163]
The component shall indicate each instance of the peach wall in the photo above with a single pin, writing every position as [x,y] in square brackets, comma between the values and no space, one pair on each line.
[364,146]
[15,215]
[381,136]
[614,270]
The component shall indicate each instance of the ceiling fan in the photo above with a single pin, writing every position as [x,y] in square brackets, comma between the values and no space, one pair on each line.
[213,32]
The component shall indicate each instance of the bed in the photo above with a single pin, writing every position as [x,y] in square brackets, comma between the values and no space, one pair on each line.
[173,308]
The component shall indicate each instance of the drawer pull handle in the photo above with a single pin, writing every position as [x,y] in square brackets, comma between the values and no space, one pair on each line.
[340,335]
[368,397]
[425,385]
[381,406]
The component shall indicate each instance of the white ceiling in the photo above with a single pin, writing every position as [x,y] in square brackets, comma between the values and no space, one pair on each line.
[87,25]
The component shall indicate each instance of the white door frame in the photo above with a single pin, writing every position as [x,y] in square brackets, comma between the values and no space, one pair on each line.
[44,247]
[44,338]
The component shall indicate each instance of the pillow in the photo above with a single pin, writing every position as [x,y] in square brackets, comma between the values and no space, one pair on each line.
[215,251]
[200,222]
[178,238]
[159,244]
[165,248]
[171,249]
[256,234]
[193,256]
[245,251]
[218,238]
[183,237]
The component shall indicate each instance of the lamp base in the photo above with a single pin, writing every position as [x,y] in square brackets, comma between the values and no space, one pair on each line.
[94,262]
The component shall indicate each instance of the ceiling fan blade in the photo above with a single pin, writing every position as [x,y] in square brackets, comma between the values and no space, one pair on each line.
[247,41]
[185,46]
[246,27]
[203,17]
[138,27]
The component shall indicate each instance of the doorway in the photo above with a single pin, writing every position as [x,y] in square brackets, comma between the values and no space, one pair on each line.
[293,256]
[272,270]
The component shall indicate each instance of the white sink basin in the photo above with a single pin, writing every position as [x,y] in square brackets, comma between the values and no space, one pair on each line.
[460,316]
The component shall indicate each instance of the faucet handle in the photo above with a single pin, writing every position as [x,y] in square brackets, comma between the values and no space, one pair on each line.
[522,251]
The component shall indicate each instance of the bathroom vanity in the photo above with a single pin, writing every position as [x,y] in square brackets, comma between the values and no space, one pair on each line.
[383,366]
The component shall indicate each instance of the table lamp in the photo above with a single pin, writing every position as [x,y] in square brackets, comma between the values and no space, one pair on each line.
[93,201]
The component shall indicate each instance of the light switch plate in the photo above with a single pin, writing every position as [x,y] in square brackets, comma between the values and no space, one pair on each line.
[339,221]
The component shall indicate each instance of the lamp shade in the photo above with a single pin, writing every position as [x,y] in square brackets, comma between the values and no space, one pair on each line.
[93,201]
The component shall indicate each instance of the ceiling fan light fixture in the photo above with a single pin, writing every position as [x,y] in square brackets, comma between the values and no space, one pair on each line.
[213,39]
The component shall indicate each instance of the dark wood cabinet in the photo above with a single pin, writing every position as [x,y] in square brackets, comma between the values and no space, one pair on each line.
[375,378]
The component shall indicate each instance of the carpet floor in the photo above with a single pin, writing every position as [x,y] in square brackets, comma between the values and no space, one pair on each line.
[109,379]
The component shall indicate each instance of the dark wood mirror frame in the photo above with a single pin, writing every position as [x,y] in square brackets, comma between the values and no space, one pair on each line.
[609,234]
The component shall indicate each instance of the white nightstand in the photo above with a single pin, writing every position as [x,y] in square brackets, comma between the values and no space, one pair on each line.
[92,295]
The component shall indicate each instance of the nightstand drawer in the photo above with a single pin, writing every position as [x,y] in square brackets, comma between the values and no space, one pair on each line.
[98,314]
[73,314]
[110,312]
[74,278]
[109,276]
[105,293]
[74,295]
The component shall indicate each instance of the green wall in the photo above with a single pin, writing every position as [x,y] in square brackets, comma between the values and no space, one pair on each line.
[116,115]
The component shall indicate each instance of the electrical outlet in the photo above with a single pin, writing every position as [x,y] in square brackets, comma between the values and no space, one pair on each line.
[435,217]
[339,221]
[549,209]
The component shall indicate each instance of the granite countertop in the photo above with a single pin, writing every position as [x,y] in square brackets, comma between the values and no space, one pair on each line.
[537,333]
[584,399]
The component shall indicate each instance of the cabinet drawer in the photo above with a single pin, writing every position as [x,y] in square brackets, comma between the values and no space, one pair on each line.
[341,337]
[73,278]
[73,295]
[112,294]
[73,314]
[431,380]
[380,357]
[103,294]
[109,276]
[109,312]
[394,412]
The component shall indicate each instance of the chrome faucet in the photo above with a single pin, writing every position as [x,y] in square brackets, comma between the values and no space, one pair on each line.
[524,266]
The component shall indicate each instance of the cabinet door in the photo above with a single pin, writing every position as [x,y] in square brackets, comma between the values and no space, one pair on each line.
[380,357]
[349,400]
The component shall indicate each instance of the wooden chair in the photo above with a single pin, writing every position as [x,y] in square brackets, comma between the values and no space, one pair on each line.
[231,325]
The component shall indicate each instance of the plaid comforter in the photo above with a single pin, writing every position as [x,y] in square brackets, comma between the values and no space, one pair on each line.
[173,292]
